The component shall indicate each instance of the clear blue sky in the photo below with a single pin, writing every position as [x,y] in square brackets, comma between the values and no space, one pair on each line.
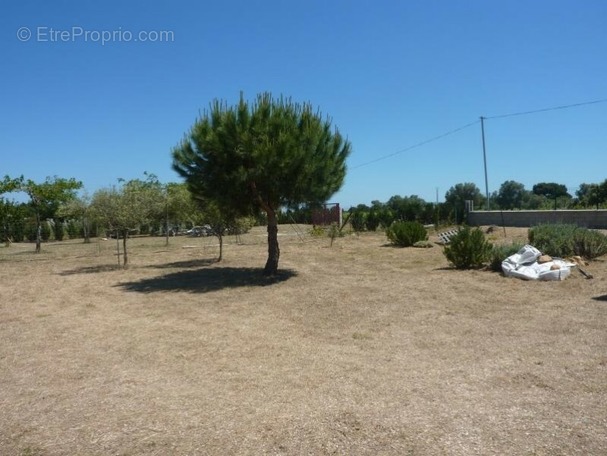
[391,74]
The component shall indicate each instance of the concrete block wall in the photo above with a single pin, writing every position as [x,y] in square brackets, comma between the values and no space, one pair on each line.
[596,219]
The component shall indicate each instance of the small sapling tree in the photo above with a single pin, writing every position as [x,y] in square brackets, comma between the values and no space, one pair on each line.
[127,207]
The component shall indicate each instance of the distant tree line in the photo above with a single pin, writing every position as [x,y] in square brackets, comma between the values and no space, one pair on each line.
[511,195]
[56,211]
[549,195]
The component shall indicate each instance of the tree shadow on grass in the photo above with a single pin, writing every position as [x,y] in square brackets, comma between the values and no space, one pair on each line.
[393,246]
[205,280]
[113,267]
[91,269]
[197,263]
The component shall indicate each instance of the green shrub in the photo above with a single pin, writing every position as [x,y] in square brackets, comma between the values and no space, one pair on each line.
[58,230]
[423,244]
[317,231]
[241,225]
[332,231]
[468,249]
[372,220]
[554,239]
[589,244]
[500,252]
[13,232]
[32,230]
[46,231]
[405,234]
[17,232]
[74,229]
[358,220]
[563,240]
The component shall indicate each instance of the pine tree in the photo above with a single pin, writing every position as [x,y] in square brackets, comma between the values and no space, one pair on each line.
[261,157]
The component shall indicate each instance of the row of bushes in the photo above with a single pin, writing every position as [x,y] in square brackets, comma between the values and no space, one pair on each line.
[563,240]
[74,229]
[19,232]
[470,249]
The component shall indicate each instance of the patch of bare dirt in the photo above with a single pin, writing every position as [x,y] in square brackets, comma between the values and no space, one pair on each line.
[359,348]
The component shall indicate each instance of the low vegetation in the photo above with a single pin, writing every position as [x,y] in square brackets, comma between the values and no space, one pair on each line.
[406,234]
[563,240]
[499,252]
[468,249]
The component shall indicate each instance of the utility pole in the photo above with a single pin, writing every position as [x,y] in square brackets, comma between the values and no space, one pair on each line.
[485,161]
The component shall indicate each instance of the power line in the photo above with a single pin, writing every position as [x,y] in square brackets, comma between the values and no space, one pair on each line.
[554,108]
[414,146]
[502,116]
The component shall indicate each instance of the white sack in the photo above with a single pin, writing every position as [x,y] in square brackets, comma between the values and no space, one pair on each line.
[524,265]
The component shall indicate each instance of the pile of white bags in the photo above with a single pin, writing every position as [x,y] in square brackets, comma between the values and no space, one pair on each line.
[524,264]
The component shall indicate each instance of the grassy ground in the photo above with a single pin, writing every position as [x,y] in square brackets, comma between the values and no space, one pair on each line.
[355,349]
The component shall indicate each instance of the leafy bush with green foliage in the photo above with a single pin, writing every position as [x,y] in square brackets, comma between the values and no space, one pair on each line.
[372,220]
[241,225]
[45,232]
[318,231]
[468,249]
[58,230]
[358,220]
[553,239]
[500,252]
[74,229]
[405,234]
[332,231]
[590,244]
[563,240]
[17,231]
[423,244]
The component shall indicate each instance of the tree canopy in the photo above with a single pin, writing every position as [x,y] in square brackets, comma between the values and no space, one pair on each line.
[9,184]
[592,194]
[79,208]
[551,190]
[129,206]
[46,197]
[511,195]
[457,195]
[262,156]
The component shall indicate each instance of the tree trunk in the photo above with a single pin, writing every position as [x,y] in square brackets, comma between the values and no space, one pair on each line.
[220,237]
[85,228]
[38,233]
[124,255]
[166,232]
[273,250]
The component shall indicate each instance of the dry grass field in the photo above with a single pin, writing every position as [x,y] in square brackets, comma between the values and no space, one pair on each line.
[355,349]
